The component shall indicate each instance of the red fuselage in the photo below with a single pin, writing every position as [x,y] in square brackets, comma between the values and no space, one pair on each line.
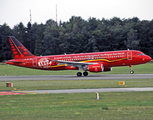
[93,62]
[108,59]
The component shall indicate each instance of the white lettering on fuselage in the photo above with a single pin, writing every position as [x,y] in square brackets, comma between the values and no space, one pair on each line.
[90,56]
[44,62]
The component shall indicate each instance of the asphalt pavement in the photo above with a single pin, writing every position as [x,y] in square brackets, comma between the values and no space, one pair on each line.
[74,77]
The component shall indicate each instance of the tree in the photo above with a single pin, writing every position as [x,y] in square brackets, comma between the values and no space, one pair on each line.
[5,52]
[51,40]
[38,36]
[78,35]
[132,42]
[144,40]
[30,41]
[20,33]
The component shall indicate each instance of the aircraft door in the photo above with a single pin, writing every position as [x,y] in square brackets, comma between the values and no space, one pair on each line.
[129,55]
[34,62]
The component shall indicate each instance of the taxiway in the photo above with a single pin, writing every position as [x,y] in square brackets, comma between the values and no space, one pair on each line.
[93,90]
[73,77]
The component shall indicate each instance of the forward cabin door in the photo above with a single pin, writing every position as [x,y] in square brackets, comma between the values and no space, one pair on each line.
[129,55]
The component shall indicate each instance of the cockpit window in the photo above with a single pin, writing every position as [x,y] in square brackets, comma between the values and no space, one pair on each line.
[140,54]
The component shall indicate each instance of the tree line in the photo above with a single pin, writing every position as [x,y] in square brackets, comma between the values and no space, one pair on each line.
[79,36]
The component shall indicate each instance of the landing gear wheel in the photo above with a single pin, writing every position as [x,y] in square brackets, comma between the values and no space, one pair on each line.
[131,71]
[79,74]
[85,73]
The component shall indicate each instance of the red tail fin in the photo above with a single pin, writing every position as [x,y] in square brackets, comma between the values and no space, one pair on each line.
[18,50]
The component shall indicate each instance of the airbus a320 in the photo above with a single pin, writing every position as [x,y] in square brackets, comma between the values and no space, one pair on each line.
[92,62]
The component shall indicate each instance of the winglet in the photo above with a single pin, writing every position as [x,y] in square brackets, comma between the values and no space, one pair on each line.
[18,50]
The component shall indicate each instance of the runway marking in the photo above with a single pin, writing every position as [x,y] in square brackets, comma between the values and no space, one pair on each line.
[26,92]
[11,93]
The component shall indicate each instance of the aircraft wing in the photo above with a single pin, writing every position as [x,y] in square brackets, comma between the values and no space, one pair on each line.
[77,64]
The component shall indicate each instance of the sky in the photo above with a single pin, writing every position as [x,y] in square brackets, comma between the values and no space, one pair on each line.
[12,12]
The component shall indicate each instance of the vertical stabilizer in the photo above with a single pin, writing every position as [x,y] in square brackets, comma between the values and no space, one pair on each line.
[18,50]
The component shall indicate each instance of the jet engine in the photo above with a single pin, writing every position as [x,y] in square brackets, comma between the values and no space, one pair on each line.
[96,68]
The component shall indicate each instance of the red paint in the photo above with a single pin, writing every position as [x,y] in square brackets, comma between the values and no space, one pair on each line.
[25,53]
[21,55]
[96,68]
[93,62]
[10,93]
[16,56]
[14,52]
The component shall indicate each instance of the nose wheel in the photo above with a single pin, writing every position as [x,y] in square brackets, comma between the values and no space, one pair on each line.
[131,71]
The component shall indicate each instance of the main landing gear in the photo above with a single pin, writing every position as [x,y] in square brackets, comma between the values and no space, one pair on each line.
[79,74]
[131,71]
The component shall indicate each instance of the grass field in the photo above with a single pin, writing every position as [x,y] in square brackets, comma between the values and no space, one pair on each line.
[74,84]
[78,106]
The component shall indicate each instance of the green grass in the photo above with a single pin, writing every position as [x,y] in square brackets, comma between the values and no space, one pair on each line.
[10,70]
[74,84]
[78,106]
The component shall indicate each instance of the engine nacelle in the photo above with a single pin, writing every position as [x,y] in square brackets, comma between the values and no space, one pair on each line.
[106,69]
[96,68]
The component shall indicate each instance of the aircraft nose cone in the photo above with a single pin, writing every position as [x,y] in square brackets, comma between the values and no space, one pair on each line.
[148,58]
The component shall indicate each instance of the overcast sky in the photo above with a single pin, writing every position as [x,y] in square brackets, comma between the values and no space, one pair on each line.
[13,12]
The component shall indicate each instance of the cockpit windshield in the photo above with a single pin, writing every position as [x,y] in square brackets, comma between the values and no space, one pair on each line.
[140,54]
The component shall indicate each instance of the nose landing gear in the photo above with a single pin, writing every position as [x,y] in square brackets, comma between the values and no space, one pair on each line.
[131,71]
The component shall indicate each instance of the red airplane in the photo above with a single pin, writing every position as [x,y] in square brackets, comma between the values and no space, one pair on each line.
[93,62]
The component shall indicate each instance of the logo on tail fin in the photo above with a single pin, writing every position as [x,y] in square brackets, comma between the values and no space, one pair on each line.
[18,50]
